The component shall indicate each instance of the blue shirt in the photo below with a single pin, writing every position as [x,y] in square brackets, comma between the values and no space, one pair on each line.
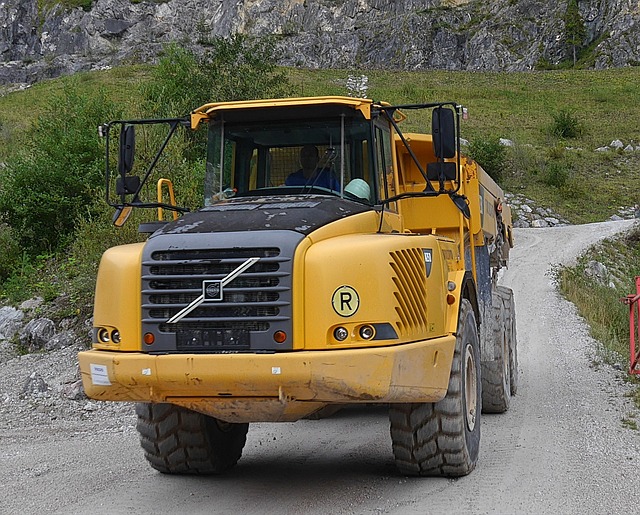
[322,178]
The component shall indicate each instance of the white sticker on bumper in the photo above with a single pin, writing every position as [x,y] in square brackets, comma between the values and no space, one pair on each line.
[100,375]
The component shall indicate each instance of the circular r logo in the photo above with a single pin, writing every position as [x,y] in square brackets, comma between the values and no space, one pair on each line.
[345,301]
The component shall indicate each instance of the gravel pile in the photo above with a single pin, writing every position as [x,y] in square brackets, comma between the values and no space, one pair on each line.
[38,389]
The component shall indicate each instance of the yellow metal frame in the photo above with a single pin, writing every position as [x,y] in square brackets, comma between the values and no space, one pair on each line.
[172,197]
[208,111]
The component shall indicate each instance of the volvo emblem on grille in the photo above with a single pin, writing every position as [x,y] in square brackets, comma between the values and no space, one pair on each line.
[212,291]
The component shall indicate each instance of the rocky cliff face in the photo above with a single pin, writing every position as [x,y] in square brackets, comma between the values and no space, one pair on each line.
[406,34]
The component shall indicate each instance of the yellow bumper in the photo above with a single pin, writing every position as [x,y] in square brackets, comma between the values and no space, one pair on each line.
[272,387]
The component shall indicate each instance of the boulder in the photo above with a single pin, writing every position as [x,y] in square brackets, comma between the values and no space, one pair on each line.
[597,271]
[10,322]
[73,391]
[60,340]
[36,334]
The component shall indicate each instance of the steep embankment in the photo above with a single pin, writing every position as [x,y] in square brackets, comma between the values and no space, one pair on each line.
[41,39]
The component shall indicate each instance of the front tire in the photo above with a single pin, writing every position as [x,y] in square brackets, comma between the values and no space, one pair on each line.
[180,441]
[443,438]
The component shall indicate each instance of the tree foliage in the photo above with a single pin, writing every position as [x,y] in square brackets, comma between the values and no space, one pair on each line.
[51,181]
[574,29]
[491,155]
[234,68]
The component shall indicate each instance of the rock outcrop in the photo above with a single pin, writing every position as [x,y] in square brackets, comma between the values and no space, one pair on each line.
[37,43]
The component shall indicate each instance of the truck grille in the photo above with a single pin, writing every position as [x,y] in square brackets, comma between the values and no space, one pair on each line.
[254,304]
[409,276]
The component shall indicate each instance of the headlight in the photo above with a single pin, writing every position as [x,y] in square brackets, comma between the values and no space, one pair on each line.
[367,332]
[103,335]
[340,334]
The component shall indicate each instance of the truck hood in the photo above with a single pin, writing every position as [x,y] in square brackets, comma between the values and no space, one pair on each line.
[303,214]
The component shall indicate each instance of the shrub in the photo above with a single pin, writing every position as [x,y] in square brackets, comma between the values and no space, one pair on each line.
[555,174]
[11,251]
[491,155]
[59,172]
[566,125]
[235,68]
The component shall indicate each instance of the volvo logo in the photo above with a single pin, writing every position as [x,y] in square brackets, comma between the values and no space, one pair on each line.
[212,291]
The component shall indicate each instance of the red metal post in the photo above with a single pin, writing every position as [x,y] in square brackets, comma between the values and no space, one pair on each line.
[633,301]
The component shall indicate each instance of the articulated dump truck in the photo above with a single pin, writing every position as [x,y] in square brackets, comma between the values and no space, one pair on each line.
[333,260]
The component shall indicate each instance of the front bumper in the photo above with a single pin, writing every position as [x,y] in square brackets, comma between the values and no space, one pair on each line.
[272,387]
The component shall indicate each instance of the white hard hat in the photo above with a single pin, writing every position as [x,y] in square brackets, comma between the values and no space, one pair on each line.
[358,188]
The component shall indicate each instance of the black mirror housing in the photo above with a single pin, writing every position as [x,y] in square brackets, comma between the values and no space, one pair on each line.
[443,130]
[127,149]
[127,185]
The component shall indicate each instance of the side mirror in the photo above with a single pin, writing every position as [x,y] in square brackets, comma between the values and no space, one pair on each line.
[443,130]
[127,185]
[127,149]
[121,215]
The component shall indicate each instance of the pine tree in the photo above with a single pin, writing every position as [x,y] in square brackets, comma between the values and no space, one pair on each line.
[574,29]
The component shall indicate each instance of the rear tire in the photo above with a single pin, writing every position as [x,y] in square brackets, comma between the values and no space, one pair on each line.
[180,441]
[496,373]
[510,315]
[443,438]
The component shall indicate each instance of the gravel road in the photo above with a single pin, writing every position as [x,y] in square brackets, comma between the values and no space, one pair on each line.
[562,447]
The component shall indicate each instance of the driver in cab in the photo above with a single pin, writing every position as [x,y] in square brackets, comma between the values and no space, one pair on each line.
[310,174]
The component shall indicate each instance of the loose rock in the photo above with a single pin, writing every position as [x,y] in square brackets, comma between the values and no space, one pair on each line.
[10,322]
[35,386]
[35,335]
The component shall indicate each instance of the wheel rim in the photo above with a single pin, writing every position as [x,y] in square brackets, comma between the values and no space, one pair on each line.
[471,387]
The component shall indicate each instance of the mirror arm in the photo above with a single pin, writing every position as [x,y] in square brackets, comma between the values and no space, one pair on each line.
[174,125]
[103,131]
[153,205]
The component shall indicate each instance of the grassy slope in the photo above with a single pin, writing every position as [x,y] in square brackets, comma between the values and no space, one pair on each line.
[520,107]
[517,106]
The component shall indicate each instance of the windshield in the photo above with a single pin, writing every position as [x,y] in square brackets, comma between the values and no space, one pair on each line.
[332,156]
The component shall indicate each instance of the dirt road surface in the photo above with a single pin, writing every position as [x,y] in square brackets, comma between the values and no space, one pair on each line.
[562,448]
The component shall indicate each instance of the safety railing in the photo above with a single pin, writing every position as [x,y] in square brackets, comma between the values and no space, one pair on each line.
[633,301]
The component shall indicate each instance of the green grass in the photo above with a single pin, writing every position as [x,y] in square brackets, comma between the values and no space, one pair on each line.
[629,422]
[20,109]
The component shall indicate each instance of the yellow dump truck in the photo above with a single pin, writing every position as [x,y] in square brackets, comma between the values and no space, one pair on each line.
[334,260]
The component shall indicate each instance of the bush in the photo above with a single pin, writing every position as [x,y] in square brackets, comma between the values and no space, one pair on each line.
[11,251]
[59,172]
[555,174]
[235,68]
[566,125]
[491,155]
